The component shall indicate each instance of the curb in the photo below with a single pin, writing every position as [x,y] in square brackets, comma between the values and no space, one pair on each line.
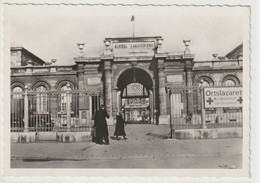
[24,158]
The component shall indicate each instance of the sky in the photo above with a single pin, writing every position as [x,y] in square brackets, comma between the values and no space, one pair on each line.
[54,31]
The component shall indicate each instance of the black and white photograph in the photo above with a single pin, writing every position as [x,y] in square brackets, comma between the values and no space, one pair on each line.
[162,90]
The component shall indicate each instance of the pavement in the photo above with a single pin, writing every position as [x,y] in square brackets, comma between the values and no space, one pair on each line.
[146,147]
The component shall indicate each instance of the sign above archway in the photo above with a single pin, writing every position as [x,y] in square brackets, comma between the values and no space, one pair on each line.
[133,45]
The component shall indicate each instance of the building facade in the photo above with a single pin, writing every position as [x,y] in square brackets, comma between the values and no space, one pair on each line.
[132,74]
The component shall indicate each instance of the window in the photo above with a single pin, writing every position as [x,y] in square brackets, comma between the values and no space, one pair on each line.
[205,81]
[229,82]
[17,92]
[64,98]
[42,99]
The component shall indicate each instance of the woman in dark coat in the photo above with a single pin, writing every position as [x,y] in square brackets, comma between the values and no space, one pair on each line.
[100,124]
[120,126]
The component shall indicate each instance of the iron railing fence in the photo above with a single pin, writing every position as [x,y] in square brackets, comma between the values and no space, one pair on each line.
[188,112]
[224,117]
[53,110]
[185,108]
[17,111]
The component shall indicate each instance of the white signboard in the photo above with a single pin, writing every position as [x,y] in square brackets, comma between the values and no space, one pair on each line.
[223,97]
[133,47]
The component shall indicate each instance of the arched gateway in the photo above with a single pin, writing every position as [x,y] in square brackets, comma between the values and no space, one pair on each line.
[133,74]
[135,95]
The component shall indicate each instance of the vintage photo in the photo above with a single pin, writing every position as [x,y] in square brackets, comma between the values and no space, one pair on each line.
[126,88]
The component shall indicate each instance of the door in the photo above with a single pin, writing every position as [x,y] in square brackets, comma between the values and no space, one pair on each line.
[177,107]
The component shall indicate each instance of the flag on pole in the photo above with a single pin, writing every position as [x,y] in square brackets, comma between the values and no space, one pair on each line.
[132,18]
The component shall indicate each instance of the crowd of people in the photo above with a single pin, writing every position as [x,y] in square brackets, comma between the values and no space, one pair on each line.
[100,130]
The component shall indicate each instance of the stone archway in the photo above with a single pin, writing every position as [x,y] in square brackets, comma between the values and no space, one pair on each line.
[143,93]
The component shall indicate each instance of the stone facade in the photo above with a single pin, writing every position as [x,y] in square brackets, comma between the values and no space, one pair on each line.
[125,61]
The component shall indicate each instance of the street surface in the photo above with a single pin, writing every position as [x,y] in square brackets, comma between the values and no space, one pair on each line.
[146,147]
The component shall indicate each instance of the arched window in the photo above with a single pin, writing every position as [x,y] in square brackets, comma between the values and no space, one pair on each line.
[205,81]
[230,80]
[17,92]
[17,107]
[63,101]
[41,99]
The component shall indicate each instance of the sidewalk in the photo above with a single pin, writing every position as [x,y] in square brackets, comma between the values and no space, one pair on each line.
[145,143]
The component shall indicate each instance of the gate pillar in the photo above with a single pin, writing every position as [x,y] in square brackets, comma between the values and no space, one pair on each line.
[189,83]
[108,87]
[163,116]
[115,101]
[84,114]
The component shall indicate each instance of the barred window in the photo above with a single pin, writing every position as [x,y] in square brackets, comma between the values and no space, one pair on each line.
[17,92]
[42,99]
[64,98]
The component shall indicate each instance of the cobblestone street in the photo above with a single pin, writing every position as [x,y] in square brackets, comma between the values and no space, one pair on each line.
[146,147]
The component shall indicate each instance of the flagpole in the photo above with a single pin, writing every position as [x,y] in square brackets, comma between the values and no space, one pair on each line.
[133,20]
[133,28]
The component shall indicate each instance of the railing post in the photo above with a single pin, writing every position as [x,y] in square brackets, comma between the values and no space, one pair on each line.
[26,110]
[203,119]
[68,106]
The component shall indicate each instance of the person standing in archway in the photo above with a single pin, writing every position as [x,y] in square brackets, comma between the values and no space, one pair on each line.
[120,126]
[100,123]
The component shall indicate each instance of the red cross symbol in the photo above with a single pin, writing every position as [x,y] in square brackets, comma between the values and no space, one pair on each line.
[240,100]
[209,101]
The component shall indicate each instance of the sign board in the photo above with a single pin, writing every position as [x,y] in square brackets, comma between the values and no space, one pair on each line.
[133,47]
[223,97]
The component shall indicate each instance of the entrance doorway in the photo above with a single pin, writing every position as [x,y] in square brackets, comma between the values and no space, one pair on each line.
[136,104]
[136,96]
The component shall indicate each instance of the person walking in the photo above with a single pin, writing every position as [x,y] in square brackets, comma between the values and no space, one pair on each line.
[100,124]
[120,126]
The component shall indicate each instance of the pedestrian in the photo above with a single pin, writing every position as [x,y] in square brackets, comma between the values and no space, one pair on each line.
[100,124]
[120,126]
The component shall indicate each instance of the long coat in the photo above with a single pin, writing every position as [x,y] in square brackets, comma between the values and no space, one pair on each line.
[100,123]
[120,126]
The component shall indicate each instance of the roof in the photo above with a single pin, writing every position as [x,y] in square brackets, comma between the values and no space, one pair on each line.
[20,48]
[239,48]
